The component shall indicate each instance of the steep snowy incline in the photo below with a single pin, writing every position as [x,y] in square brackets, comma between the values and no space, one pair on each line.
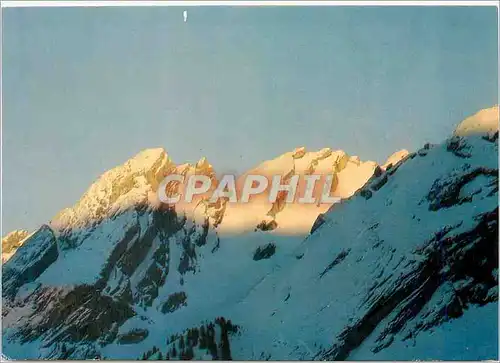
[127,285]
[412,253]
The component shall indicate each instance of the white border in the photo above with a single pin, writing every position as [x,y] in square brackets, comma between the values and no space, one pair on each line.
[101,3]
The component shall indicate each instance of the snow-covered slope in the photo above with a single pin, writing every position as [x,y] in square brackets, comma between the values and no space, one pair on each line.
[482,122]
[404,265]
[414,250]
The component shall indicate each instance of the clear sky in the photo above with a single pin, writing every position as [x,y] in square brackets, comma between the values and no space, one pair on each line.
[84,89]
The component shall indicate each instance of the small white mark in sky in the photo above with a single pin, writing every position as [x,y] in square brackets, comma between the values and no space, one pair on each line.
[185,16]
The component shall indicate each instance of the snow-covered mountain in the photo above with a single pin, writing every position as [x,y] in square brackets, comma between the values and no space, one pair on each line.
[406,267]
[483,121]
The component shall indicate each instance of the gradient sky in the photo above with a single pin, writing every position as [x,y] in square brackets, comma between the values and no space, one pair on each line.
[84,89]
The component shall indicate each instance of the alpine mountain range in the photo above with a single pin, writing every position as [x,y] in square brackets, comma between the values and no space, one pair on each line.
[404,267]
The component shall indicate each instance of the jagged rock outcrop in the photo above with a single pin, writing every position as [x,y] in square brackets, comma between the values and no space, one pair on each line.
[11,242]
[349,174]
[135,184]
[127,186]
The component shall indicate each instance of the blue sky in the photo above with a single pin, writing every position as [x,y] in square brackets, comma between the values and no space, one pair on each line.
[84,89]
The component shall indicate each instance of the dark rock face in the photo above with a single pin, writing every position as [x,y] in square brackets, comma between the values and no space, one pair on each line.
[459,147]
[491,137]
[338,259]
[87,316]
[155,275]
[62,320]
[130,252]
[446,192]
[464,262]
[380,177]
[174,302]
[31,260]
[195,238]
[379,182]
[133,337]
[267,226]
[366,193]
[264,252]
[318,223]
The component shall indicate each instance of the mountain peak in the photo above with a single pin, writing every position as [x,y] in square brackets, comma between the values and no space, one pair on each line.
[135,182]
[395,158]
[132,183]
[483,121]
[12,241]
[202,162]
[299,152]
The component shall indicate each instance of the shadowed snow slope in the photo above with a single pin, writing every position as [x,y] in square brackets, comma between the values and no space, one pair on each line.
[404,268]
